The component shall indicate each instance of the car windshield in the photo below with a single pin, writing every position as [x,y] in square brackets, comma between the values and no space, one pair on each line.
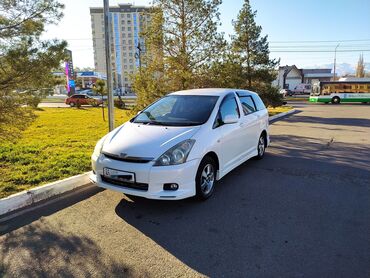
[178,110]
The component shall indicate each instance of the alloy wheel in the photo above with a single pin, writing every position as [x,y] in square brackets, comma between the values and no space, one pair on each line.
[207,179]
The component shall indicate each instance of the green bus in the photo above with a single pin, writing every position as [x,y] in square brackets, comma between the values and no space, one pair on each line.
[341,91]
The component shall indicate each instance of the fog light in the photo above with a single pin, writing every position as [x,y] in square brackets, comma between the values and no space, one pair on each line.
[170,186]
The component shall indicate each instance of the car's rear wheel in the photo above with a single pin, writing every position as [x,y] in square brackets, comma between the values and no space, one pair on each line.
[261,147]
[206,178]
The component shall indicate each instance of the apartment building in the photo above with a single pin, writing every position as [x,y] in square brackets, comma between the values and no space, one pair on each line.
[126,23]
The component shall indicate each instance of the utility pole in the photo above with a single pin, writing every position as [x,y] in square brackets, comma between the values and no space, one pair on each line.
[335,61]
[108,65]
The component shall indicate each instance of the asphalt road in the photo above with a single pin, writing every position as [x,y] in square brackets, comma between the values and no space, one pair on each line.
[303,211]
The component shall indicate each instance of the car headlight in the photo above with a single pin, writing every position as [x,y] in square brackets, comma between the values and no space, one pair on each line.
[98,147]
[176,155]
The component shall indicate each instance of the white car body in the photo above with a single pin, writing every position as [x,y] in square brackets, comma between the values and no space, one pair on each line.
[229,144]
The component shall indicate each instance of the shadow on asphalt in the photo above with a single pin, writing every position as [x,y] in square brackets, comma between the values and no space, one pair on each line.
[42,253]
[48,208]
[293,214]
[285,117]
[331,121]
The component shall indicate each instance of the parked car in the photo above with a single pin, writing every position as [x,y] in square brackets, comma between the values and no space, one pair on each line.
[181,145]
[285,92]
[88,92]
[302,89]
[82,100]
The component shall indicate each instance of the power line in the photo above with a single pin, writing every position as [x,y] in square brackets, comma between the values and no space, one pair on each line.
[336,41]
[321,51]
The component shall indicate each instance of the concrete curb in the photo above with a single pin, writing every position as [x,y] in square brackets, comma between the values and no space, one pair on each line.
[35,195]
[280,115]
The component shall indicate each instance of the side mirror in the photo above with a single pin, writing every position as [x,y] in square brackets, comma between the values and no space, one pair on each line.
[138,112]
[230,119]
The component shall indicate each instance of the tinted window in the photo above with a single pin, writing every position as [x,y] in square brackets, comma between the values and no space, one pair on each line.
[178,110]
[229,107]
[259,103]
[247,104]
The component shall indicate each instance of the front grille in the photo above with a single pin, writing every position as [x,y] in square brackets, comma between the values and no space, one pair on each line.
[136,185]
[131,159]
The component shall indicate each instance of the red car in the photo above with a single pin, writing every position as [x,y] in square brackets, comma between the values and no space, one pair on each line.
[83,100]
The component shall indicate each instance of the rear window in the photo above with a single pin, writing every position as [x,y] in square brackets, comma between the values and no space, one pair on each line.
[247,104]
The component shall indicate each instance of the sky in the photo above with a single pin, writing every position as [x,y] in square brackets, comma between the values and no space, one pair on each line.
[298,30]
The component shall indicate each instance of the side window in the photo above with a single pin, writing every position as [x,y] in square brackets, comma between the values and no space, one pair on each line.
[229,107]
[247,104]
[259,103]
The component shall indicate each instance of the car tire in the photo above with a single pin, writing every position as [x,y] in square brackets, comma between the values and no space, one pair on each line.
[335,100]
[205,178]
[261,147]
[72,104]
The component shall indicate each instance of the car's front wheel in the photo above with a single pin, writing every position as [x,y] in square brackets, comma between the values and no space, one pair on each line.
[72,104]
[206,178]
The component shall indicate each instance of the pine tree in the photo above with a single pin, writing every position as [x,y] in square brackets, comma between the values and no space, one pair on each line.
[183,35]
[26,61]
[252,49]
[360,70]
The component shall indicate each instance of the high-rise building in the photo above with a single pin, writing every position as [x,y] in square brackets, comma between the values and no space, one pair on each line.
[126,22]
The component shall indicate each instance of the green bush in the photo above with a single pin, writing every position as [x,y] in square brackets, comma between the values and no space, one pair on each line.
[32,98]
[270,96]
[118,103]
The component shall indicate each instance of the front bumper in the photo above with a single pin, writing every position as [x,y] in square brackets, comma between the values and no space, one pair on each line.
[154,176]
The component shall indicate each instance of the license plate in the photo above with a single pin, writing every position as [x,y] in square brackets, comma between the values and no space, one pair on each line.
[119,175]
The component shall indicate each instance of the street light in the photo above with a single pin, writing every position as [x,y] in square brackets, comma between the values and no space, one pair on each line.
[108,65]
[335,60]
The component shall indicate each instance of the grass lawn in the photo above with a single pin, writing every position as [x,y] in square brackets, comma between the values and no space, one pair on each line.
[57,145]
[277,110]
[296,98]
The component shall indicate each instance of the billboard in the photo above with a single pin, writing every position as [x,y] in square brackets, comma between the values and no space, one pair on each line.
[70,74]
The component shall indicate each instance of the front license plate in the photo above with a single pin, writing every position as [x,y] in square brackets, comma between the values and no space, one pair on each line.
[119,175]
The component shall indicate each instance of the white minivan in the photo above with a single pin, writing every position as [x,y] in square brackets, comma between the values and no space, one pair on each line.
[180,145]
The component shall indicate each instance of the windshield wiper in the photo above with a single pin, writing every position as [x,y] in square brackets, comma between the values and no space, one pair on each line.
[187,123]
[151,123]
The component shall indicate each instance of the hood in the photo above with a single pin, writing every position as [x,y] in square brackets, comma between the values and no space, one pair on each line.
[138,140]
